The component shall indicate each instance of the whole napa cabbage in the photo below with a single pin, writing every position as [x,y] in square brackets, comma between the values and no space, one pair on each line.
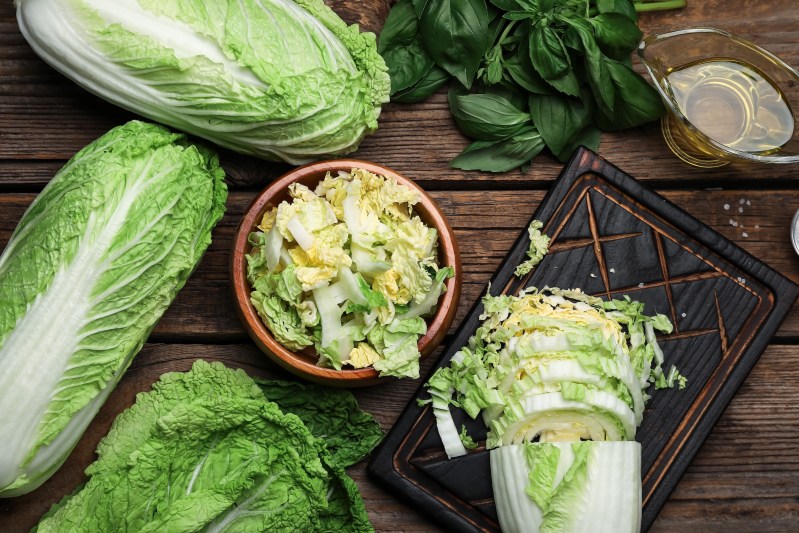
[278,79]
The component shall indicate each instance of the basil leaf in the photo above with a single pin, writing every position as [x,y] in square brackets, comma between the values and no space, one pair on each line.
[518,15]
[429,84]
[517,5]
[510,92]
[595,64]
[455,33]
[526,77]
[588,137]
[486,117]
[622,7]
[547,53]
[401,46]
[501,156]
[507,5]
[568,84]
[616,34]
[637,102]
[494,72]
[545,5]
[571,39]
[559,119]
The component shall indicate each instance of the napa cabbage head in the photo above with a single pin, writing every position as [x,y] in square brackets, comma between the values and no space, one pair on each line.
[91,267]
[279,79]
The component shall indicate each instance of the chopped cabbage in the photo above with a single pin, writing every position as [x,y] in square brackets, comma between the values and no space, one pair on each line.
[554,365]
[362,273]
[539,246]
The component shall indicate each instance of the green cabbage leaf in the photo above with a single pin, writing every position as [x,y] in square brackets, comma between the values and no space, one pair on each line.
[89,270]
[206,451]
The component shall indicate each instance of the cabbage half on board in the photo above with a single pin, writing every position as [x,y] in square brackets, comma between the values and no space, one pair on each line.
[560,379]
[279,79]
[91,267]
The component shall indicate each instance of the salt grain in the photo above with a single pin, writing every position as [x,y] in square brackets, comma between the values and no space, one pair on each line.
[726,207]
[683,315]
[734,224]
[757,226]
[742,201]
[740,209]
[744,235]
[640,285]
[593,275]
[748,202]
[612,270]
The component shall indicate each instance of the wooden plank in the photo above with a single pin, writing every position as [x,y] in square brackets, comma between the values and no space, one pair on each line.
[486,223]
[44,116]
[745,478]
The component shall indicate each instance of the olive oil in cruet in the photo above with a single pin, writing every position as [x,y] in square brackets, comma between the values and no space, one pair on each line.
[732,103]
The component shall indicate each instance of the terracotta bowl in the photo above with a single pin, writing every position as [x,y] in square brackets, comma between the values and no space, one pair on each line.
[303,363]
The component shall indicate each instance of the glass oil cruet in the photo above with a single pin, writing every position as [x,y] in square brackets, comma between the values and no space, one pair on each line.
[727,99]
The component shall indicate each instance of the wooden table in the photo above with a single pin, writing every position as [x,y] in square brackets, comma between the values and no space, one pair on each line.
[746,476]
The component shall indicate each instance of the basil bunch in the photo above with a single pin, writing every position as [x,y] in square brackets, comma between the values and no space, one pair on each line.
[527,73]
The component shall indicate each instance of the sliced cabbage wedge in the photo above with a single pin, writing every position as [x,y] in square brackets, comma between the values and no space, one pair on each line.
[568,487]
[560,381]
[553,364]
[599,416]
[91,267]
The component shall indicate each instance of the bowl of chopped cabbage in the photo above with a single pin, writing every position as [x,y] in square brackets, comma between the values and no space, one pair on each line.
[345,272]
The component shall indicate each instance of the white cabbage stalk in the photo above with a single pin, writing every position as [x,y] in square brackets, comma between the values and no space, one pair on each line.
[92,266]
[568,487]
[279,79]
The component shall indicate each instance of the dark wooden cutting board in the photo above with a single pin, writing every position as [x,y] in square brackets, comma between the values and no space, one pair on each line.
[612,237]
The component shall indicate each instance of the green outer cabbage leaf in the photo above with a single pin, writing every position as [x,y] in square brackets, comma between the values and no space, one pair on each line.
[206,451]
[91,267]
[279,79]
[330,414]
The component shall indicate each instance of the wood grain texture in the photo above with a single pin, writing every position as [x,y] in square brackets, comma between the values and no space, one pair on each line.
[486,223]
[745,478]
[44,116]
